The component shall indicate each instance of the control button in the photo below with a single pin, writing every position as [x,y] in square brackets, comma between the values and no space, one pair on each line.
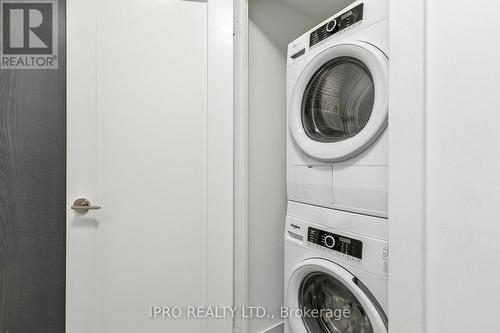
[329,241]
[330,26]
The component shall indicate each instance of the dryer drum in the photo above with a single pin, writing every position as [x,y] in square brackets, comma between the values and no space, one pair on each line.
[338,101]
[339,310]
[338,107]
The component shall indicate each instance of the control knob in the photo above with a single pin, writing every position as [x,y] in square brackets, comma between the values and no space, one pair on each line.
[330,26]
[329,241]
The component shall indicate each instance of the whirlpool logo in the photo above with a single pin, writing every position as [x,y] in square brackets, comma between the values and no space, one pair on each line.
[29,38]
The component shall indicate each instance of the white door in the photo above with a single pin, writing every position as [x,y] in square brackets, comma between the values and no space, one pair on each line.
[147,144]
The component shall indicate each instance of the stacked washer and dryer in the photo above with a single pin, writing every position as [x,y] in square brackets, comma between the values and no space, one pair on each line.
[336,252]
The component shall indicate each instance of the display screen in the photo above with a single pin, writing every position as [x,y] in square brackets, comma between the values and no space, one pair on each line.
[349,13]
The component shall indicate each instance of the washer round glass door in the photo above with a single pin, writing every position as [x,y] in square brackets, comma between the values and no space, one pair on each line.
[339,310]
[330,301]
[340,104]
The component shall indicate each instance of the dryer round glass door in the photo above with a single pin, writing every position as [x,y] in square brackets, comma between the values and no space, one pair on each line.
[331,300]
[340,104]
[338,100]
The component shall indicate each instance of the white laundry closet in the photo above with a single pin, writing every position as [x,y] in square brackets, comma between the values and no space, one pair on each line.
[272,25]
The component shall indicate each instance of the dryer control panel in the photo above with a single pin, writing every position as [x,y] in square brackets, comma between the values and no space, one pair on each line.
[349,246]
[337,24]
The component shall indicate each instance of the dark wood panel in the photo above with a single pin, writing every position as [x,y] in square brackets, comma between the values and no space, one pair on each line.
[33,196]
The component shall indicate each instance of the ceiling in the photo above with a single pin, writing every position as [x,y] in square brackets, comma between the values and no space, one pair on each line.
[317,9]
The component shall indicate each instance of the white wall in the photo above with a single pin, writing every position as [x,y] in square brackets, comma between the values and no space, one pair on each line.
[445,88]
[463,166]
[272,25]
[267,124]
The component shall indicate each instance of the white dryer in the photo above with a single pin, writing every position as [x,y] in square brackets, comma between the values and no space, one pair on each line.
[337,101]
[336,275]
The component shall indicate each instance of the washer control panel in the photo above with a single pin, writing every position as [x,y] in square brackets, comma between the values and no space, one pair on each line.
[344,20]
[349,246]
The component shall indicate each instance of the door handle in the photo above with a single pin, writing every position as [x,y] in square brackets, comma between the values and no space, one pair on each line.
[83,205]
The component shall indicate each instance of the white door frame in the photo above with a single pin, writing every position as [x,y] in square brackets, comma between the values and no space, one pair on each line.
[241,161]
[407,161]
[81,110]
[406,172]
[220,150]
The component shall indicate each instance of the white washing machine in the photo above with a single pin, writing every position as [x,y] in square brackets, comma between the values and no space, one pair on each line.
[339,270]
[337,100]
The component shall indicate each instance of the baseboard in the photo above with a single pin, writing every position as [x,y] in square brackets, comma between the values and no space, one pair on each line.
[276,328]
